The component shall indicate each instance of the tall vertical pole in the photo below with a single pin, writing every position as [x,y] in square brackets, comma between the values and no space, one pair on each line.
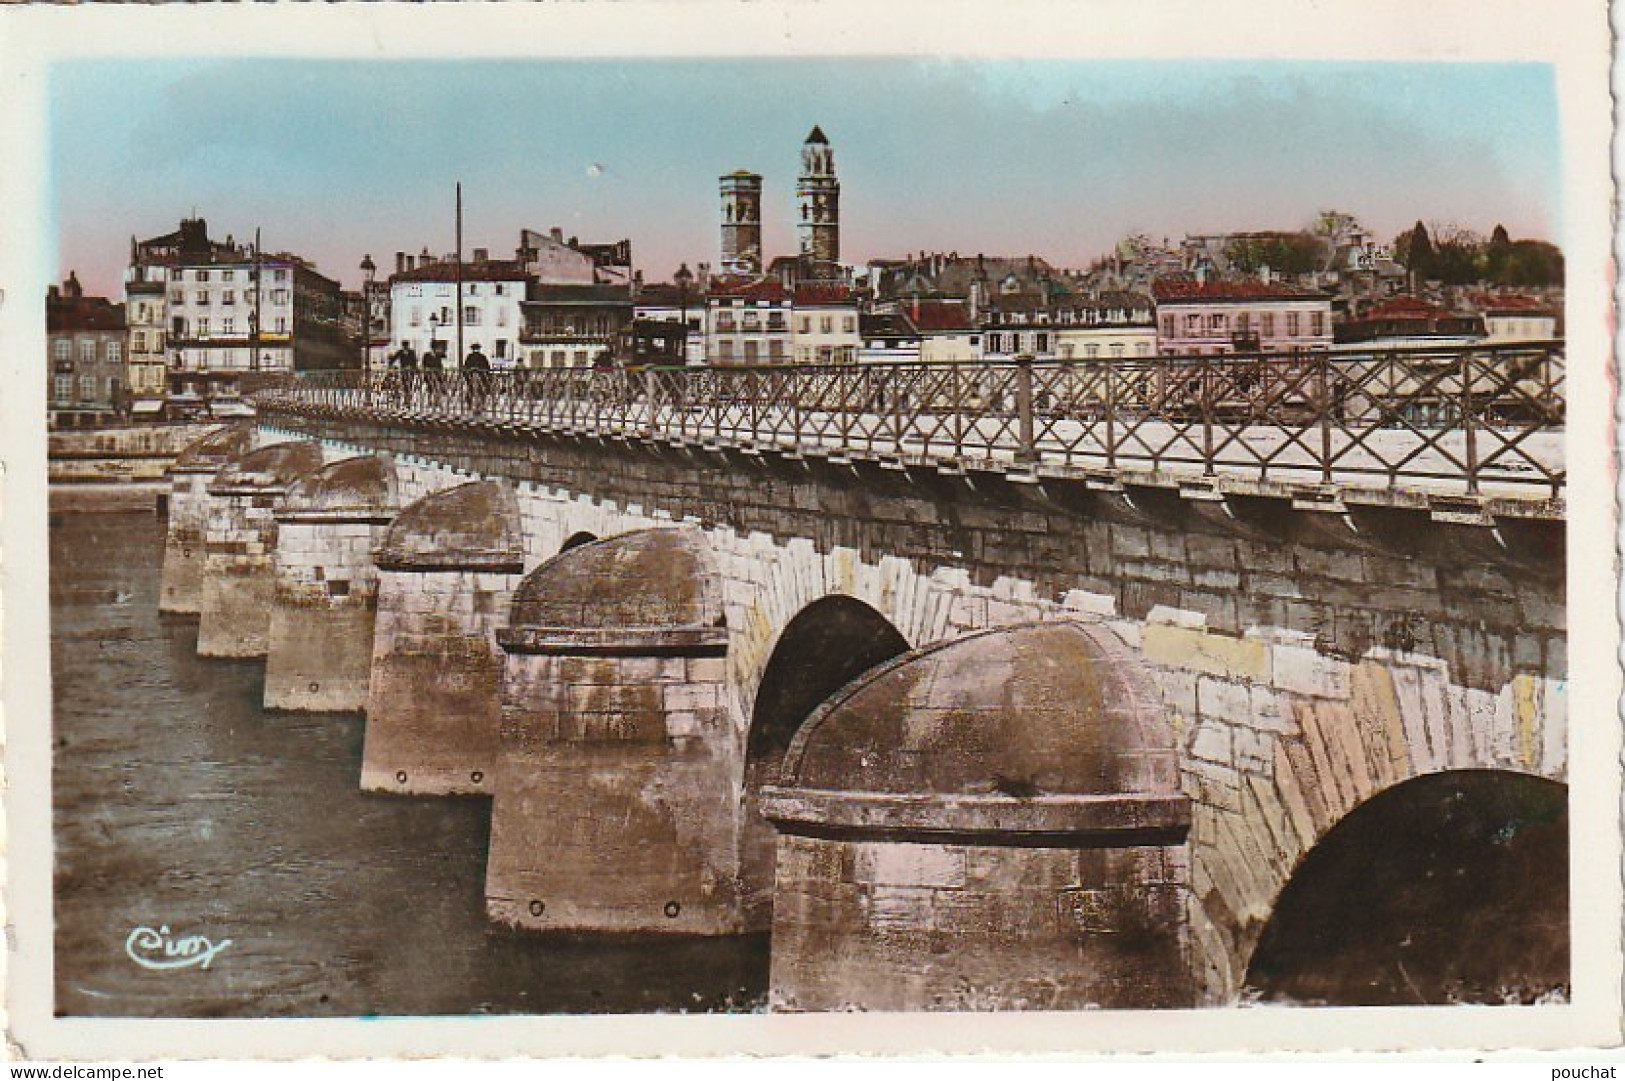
[259,321]
[460,354]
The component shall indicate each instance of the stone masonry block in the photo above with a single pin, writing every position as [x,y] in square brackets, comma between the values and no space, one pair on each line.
[1182,647]
[1306,672]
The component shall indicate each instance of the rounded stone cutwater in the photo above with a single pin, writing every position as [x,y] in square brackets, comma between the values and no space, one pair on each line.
[447,568]
[320,654]
[239,545]
[618,785]
[991,823]
[180,589]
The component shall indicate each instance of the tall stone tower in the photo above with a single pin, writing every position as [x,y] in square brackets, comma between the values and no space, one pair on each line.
[819,195]
[741,224]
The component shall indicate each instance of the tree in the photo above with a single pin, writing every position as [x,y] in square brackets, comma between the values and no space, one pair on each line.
[1415,250]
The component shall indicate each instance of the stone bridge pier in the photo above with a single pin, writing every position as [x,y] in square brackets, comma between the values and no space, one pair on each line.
[971,741]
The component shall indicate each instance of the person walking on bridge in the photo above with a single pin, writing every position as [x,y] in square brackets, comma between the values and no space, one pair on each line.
[477,375]
[406,364]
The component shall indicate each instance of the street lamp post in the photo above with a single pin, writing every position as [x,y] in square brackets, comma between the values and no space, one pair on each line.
[370,269]
[683,279]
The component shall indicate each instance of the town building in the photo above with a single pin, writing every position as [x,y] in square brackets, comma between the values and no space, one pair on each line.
[572,326]
[85,339]
[1113,325]
[888,336]
[424,305]
[1513,318]
[146,319]
[947,332]
[747,322]
[680,304]
[825,320]
[1406,320]
[1219,318]
[550,259]
[235,314]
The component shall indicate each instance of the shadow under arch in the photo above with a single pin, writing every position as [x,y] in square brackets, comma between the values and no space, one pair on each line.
[576,540]
[1449,887]
[825,646]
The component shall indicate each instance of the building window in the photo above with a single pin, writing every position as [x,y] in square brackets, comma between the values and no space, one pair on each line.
[202,296]
[995,343]
[87,352]
[849,324]
[138,342]
[203,275]
[227,275]
[414,316]
[1215,322]
[500,289]
[775,350]
[1193,325]
[806,325]
[64,387]
[228,297]
[279,296]
[87,388]
[281,275]
[825,324]
[177,297]
[473,289]
[471,315]
[175,274]
[115,352]
[753,350]
[203,327]
[414,290]
[228,327]
[1294,324]
[725,350]
[1142,349]
[1117,349]
[1092,350]
[1317,323]
[281,324]
[1267,324]
[502,317]
[63,349]
[1040,343]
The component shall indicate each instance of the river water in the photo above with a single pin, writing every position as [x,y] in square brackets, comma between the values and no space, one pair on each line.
[179,803]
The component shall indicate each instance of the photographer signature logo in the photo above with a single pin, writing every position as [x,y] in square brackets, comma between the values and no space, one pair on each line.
[156,949]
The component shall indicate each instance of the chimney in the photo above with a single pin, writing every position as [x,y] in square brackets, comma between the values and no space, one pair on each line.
[52,293]
[400,262]
[482,255]
[557,234]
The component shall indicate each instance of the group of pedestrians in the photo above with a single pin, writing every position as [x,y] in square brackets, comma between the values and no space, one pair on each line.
[475,369]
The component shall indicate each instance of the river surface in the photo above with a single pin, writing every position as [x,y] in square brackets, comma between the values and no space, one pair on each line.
[179,803]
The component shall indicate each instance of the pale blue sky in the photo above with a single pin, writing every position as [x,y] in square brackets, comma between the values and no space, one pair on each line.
[336,159]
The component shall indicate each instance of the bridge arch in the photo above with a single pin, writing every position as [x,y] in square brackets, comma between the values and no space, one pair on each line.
[1313,762]
[1450,887]
[826,645]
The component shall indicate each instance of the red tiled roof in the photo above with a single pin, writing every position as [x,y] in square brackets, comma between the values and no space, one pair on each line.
[1510,302]
[1406,308]
[1177,289]
[931,315]
[754,289]
[813,294]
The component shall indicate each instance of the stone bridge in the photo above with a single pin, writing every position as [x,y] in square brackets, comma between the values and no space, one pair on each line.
[958,739]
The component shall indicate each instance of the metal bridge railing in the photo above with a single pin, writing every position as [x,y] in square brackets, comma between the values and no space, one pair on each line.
[1472,420]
